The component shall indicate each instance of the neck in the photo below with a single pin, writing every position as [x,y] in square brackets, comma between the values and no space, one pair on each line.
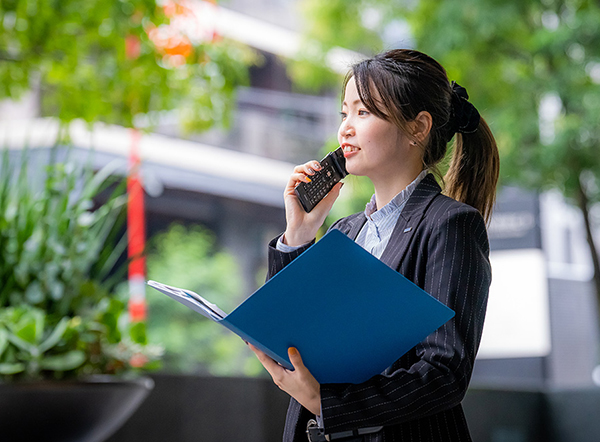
[387,189]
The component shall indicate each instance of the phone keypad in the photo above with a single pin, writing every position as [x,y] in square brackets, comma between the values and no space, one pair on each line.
[321,185]
[322,181]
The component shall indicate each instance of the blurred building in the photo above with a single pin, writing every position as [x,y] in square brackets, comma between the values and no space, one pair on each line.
[541,327]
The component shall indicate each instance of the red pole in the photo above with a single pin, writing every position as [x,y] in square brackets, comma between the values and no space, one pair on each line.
[136,234]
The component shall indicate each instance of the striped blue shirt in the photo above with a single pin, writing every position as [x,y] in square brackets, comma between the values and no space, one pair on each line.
[376,233]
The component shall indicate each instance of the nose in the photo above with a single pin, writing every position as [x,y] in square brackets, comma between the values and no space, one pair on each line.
[346,129]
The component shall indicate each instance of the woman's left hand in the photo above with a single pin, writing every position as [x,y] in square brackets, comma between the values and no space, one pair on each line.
[300,383]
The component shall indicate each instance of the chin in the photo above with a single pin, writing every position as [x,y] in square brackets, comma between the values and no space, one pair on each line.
[356,171]
[354,167]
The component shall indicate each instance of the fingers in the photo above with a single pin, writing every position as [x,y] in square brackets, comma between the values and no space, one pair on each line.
[270,365]
[261,355]
[330,198]
[301,226]
[303,172]
[277,372]
[308,168]
[298,383]
[296,178]
[295,358]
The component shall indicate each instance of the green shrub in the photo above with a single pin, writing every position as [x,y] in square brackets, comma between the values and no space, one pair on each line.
[59,265]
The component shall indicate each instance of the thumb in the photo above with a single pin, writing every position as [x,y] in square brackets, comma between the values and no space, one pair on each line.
[295,358]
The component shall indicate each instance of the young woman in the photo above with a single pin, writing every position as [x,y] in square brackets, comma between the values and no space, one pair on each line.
[399,112]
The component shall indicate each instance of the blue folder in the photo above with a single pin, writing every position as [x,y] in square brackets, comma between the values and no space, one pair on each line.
[349,315]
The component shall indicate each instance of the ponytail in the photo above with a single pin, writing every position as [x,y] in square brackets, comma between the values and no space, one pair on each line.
[474,169]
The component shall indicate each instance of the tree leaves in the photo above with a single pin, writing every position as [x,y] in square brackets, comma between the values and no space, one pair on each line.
[509,55]
[95,60]
[534,50]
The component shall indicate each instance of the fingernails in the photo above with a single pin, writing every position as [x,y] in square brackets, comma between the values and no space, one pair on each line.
[317,166]
[292,351]
[308,179]
[310,171]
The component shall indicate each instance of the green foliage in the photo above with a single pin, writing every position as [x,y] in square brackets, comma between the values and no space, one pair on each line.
[26,330]
[511,55]
[330,24]
[338,23]
[51,240]
[188,258]
[58,267]
[102,60]
[309,69]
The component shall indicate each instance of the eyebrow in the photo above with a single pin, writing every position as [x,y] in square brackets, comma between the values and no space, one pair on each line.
[354,102]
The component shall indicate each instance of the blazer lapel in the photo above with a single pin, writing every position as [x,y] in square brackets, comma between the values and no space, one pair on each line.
[351,225]
[356,225]
[409,219]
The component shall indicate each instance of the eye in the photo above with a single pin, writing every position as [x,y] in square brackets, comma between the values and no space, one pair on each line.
[363,112]
[343,115]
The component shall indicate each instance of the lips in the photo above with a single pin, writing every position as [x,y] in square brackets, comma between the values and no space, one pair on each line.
[349,149]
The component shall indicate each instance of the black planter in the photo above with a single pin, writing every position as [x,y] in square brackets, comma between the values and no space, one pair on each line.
[187,408]
[82,411]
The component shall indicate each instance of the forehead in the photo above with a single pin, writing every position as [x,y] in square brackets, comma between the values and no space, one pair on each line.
[352,97]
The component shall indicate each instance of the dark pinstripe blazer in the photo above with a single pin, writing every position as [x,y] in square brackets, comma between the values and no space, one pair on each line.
[441,245]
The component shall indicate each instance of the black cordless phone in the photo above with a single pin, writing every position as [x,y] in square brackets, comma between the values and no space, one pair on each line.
[333,169]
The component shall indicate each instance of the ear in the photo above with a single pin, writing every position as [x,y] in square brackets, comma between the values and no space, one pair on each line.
[421,126]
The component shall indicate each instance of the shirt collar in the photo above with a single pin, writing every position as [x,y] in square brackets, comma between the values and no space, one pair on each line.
[371,211]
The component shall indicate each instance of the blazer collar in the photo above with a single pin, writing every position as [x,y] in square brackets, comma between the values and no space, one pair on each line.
[407,223]
[409,219]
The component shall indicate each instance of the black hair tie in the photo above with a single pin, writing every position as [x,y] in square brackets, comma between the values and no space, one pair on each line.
[465,118]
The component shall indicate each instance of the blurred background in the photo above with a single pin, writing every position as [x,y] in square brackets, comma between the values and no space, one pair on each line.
[200,110]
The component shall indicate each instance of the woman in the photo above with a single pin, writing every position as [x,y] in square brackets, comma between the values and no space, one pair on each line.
[398,114]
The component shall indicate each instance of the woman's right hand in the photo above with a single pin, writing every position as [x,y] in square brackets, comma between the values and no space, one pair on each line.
[302,227]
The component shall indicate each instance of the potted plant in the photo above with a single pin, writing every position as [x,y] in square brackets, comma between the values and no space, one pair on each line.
[63,327]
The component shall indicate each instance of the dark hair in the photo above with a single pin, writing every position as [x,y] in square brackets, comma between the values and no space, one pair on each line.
[396,86]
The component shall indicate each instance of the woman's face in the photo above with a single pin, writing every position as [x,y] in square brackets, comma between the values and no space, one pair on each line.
[373,147]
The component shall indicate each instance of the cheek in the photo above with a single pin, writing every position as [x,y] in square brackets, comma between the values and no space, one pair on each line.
[378,131]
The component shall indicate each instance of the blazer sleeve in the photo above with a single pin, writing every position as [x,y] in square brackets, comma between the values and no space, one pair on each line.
[277,259]
[456,271]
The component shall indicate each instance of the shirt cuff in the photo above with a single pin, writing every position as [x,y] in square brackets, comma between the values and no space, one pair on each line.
[285,248]
[319,417]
